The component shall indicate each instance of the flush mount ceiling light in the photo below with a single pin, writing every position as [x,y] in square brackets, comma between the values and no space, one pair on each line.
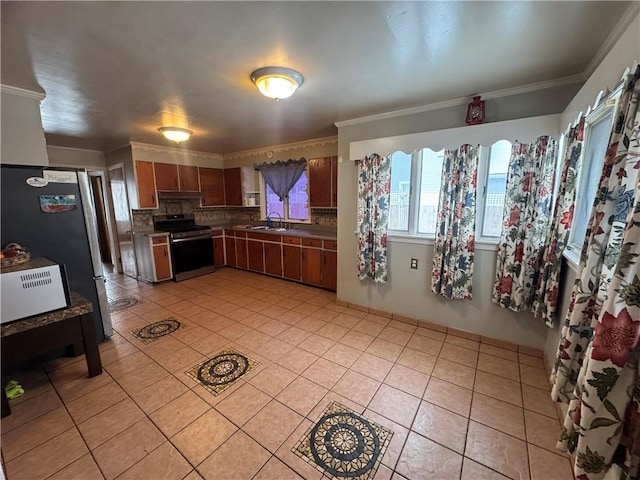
[176,134]
[276,82]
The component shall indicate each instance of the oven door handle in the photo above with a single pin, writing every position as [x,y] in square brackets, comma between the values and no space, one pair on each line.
[190,239]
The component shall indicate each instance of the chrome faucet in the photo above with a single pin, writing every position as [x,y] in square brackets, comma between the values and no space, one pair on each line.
[279,219]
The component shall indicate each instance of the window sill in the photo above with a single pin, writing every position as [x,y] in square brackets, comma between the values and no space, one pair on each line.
[424,240]
[572,257]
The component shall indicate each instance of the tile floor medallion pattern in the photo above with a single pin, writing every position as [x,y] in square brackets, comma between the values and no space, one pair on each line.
[122,304]
[156,330]
[344,444]
[223,369]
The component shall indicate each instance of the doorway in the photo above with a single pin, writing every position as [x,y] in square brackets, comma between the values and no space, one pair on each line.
[97,189]
[127,260]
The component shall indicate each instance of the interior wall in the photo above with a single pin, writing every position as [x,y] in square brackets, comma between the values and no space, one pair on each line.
[408,291]
[23,141]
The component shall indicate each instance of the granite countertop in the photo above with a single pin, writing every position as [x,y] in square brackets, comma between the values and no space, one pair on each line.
[79,306]
[322,233]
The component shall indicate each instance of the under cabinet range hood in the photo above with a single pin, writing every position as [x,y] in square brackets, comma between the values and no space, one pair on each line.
[180,195]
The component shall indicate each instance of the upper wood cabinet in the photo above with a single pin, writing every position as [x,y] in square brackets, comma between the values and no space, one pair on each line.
[212,186]
[233,186]
[166,176]
[146,184]
[323,176]
[189,181]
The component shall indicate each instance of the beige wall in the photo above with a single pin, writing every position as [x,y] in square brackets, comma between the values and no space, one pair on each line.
[408,291]
[22,135]
[77,158]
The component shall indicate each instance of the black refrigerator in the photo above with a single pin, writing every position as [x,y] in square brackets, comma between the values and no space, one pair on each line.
[68,237]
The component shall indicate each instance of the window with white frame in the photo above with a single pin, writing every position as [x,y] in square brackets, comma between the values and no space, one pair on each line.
[597,129]
[293,208]
[413,211]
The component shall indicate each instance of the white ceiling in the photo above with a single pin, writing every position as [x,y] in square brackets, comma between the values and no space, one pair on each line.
[114,72]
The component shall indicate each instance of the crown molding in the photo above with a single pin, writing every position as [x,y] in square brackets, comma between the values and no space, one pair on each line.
[506,92]
[21,92]
[147,147]
[286,147]
[629,16]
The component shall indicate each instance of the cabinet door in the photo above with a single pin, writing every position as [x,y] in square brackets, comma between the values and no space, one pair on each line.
[162,262]
[241,253]
[233,186]
[329,269]
[146,185]
[212,185]
[334,182]
[291,262]
[273,258]
[188,178]
[230,247]
[166,176]
[320,182]
[218,251]
[311,265]
[256,255]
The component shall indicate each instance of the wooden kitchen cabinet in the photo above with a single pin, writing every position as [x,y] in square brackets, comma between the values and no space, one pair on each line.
[241,253]
[153,257]
[218,248]
[233,186]
[146,185]
[312,265]
[255,252]
[230,249]
[291,262]
[319,171]
[189,181]
[273,258]
[329,269]
[166,176]
[212,186]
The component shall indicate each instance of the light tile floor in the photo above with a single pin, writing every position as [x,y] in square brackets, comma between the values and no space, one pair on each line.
[459,407]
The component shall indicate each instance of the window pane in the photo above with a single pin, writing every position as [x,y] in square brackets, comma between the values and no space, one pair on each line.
[299,200]
[597,140]
[400,190]
[496,186]
[430,179]
[274,205]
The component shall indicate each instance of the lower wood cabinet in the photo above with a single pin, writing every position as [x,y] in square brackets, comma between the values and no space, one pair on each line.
[273,259]
[307,260]
[218,248]
[154,257]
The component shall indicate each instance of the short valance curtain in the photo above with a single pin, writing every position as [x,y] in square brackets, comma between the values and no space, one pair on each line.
[281,176]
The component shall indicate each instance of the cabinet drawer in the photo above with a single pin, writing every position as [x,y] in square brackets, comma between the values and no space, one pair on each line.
[216,233]
[291,240]
[267,237]
[330,245]
[240,234]
[230,233]
[159,240]
[312,242]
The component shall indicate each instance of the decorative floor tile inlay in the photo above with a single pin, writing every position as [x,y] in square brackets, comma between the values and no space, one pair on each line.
[157,330]
[220,371]
[122,304]
[344,444]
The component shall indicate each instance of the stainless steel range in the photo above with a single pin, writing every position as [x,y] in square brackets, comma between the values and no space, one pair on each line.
[191,245]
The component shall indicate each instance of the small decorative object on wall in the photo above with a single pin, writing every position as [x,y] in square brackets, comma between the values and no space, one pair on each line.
[475,111]
[58,203]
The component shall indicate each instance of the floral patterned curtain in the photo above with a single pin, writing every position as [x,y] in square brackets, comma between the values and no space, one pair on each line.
[526,223]
[602,426]
[374,185]
[452,272]
[547,285]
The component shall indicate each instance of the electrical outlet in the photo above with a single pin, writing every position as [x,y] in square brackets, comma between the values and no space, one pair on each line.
[317,220]
[414,263]
[252,216]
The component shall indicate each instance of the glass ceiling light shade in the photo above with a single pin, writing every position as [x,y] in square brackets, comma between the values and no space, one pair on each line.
[276,82]
[176,134]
